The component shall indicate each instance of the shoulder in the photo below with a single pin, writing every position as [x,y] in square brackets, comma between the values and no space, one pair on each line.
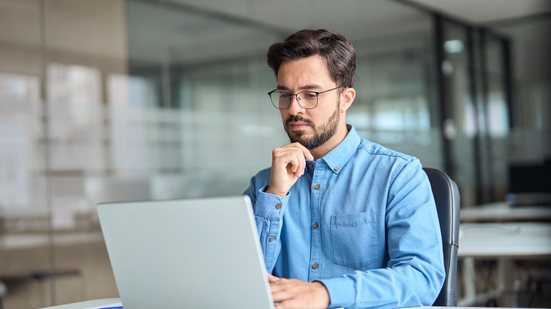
[379,152]
[386,161]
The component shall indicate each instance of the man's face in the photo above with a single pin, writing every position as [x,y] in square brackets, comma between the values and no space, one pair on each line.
[310,127]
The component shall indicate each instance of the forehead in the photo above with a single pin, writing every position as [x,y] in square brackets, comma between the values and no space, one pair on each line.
[298,73]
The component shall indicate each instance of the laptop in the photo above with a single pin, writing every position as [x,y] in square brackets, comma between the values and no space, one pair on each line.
[195,253]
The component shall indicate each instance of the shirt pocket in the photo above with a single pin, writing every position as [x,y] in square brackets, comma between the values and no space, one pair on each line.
[354,240]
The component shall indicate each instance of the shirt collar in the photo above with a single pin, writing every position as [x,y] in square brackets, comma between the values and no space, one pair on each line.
[339,156]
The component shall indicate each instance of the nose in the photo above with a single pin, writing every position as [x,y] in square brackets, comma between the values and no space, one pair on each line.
[294,106]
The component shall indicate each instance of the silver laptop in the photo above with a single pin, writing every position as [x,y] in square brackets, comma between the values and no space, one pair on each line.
[197,253]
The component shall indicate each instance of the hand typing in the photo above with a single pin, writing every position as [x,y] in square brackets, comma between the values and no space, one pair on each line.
[292,293]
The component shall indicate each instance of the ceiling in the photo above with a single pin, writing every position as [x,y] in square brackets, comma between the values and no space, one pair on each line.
[487,11]
[192,31]
[287,13]
[174,30]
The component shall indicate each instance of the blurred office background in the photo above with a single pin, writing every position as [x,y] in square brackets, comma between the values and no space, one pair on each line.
[111,100]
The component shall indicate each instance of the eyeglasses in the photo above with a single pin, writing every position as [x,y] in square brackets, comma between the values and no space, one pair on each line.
[306,99]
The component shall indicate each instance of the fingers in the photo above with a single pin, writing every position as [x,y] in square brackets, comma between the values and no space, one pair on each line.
[298,164]
[292,293]
[288,164]
[271,278]
[286,294]
[285,289]
[292,156]
[289,304]
[281,291]
[307,154]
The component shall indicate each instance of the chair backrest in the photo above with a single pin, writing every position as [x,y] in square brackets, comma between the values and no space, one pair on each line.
[446,197]
[2,294]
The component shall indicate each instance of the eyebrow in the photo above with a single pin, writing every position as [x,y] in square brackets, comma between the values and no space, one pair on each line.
[302,88]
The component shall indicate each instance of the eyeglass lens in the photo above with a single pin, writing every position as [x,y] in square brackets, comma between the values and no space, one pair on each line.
[305,99]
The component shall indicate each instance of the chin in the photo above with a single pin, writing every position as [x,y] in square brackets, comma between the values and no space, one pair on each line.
[298,137]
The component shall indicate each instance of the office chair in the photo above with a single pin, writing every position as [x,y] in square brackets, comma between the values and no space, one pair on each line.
[3,291]
[446,197]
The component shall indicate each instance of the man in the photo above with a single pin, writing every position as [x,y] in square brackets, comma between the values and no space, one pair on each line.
[342,221]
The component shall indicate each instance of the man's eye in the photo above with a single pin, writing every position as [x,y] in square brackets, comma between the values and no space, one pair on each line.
[309,95]
[284,95]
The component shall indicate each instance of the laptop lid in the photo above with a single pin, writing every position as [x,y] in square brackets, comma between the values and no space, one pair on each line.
[196,253]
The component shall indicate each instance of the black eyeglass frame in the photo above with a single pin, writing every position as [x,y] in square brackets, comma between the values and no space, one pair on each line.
[298,97]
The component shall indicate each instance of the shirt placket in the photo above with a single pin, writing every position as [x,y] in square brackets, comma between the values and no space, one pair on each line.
[317,186]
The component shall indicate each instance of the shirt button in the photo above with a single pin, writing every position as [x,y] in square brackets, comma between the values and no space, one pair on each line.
[310,165]
[315,266]
[271,239]
[317,186]
[336,169]
[278,206]
[315,226]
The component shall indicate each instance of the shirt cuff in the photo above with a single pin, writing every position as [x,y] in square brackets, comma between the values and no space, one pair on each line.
[341,291]
[270,206]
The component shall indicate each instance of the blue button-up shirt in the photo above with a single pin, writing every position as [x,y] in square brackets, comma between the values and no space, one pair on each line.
[362,221]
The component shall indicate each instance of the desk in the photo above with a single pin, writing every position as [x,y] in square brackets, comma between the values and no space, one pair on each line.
[522,240]
[503,242]
[460,307]
[26,241]
[90,304]
[504,212]
[98,303]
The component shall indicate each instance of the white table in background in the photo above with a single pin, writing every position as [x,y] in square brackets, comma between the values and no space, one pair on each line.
[505,212]
[503,242]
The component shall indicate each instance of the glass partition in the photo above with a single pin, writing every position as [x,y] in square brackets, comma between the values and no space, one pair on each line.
[54,56]
[529,149]
[395,103]
[460,125]
[118,100]
[475,119]
[135,100]
[217,98]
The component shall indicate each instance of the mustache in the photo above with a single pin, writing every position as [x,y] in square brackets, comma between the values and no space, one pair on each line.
[295,118]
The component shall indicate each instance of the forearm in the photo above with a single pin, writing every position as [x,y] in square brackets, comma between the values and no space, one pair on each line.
[409,285]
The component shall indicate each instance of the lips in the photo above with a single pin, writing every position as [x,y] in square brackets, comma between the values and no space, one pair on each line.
[297,125]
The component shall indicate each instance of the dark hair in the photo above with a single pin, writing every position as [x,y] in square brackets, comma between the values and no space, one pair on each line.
[335,49]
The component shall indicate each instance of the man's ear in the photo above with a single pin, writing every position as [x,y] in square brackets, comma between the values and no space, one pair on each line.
[347,98]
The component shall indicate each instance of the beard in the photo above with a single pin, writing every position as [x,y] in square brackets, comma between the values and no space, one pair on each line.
[321,134]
